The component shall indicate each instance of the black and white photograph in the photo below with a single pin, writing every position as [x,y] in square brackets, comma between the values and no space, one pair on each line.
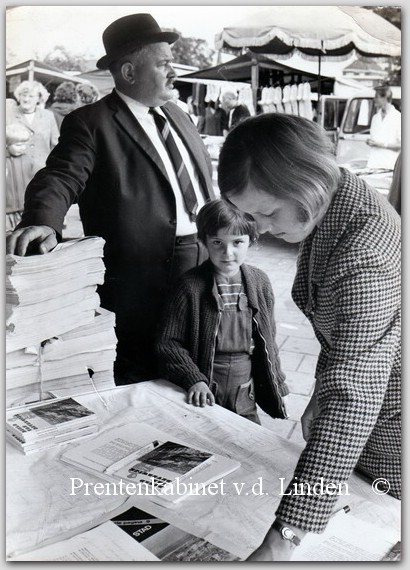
[203,246]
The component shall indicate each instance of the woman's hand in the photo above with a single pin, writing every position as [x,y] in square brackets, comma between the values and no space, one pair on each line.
[273,548]
[199,395]
[311,411]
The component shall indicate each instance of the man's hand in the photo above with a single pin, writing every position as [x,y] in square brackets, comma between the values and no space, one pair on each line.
[31,240]
[199,395]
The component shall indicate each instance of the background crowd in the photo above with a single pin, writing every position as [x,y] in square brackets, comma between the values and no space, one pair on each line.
[137,166]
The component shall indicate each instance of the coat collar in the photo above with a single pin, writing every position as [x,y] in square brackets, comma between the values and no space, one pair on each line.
[345,204]
[316,250]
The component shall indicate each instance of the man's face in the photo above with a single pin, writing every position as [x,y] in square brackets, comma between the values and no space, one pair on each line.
[228,101]
[154,75]
[380,101]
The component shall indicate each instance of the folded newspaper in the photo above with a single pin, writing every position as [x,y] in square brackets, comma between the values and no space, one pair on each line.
[131,535]
[150,462]
[39,426]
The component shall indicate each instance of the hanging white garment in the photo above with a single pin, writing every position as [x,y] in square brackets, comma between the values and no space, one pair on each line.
[270,101]
[307,101]
[245,98]
[294,99]
[286,100]
[278,99]
[301,108]
[212,93]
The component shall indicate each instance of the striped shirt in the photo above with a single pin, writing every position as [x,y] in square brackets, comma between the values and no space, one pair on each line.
[235,328]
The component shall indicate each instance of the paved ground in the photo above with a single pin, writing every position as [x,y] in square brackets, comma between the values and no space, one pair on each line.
[297,344]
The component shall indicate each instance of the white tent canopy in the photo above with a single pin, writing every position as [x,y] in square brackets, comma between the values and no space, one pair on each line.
[331,30]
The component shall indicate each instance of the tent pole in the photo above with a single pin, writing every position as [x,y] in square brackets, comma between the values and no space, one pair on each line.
[31,70]
[319,78]
[255,81]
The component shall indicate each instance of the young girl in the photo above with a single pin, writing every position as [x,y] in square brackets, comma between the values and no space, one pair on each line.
[217,338]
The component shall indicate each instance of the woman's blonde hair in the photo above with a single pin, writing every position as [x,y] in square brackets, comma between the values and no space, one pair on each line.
[30,86]
[284,155]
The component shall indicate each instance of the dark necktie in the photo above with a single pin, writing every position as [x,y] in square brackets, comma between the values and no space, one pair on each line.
[184,179]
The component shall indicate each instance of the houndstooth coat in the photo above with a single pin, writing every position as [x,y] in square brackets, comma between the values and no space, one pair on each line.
[348,285]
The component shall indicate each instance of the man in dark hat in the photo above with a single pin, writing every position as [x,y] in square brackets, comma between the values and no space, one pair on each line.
[140,172]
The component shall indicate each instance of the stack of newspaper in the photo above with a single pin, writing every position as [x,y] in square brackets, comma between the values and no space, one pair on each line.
[57,337]
[74,362]
[50,294]
[47,424]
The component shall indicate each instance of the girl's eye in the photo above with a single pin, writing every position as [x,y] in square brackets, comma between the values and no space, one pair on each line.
[216,242]
[238,241]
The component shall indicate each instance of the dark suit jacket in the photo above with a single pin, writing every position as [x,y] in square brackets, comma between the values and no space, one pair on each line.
[239,114]
[105,160]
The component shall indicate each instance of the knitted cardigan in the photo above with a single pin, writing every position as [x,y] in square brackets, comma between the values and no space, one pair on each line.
[187,338]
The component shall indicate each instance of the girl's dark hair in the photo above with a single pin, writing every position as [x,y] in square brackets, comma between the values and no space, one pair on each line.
[219,215]
[283,155]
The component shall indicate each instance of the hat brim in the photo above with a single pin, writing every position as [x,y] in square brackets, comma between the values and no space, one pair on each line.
[168,37]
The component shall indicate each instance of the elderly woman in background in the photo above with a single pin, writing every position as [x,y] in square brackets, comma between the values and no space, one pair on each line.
[41,122]
[280,168]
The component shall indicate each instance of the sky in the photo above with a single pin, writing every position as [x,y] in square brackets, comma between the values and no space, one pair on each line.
[33,31]
[79,28]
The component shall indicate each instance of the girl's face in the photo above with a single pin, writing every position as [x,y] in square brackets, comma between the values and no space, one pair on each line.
[279,217]
[227,252]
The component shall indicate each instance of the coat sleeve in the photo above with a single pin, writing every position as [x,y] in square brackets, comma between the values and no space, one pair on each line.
[55,187]
[54,131]
[173,345]
[362,339]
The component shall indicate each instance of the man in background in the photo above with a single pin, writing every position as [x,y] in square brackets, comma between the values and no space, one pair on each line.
[385,131]
[235,113]
[140,172]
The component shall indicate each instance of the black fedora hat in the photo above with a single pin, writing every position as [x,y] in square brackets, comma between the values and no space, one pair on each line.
[129,32]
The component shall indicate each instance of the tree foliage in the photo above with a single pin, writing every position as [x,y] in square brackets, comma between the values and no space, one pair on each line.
[393,15]
[192,51]
[62,59]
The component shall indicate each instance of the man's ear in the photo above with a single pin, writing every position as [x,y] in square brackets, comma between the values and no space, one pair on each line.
[127,72]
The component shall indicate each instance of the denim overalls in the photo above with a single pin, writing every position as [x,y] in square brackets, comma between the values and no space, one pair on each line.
[232,383]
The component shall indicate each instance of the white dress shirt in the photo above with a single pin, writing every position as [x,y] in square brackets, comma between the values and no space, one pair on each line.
[385,130]
[141,112]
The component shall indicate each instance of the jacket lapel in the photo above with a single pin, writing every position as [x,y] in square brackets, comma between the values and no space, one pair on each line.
[131,126]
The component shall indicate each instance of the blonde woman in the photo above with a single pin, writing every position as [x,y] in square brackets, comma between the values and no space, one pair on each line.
[41,122]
